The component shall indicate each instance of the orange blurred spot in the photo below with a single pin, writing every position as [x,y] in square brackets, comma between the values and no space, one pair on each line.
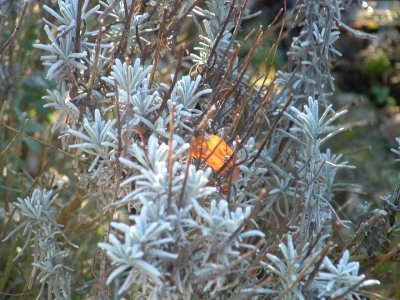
[217,152]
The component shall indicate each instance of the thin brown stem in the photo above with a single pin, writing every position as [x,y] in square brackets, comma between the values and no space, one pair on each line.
[171,156]
[16,30]
[174,81]
[180,19]
[268,137]
[37,140]
[159,44]
[14,138]
[95,63]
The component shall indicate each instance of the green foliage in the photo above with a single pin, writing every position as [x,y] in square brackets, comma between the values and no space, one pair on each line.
[376,64]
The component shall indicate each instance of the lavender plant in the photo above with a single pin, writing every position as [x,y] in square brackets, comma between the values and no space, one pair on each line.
[48,259]
[263,224]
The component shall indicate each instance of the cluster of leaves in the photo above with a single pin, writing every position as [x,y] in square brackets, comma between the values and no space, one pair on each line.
[180,154]
[48,257]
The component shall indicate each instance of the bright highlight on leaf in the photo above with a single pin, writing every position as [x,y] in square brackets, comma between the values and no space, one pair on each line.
[217,151]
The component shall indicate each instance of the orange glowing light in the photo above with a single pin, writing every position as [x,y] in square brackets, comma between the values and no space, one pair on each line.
[217,151]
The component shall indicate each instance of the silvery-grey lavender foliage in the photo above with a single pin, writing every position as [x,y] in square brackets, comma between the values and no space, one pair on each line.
[172,221]
[185,96]
[167,231]
[42,229]
[129,78]
[62,58]
[59,100]
[140,25]
[292,269]
[331,281]
[189,237]
[337,280]
[96,138]
[215,23]
[309,77]
[312,51]
[310,166]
